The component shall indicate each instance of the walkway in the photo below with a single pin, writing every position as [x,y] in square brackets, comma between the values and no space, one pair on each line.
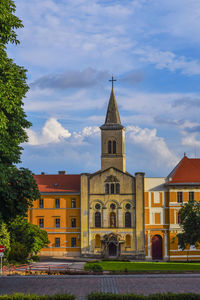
[82,285]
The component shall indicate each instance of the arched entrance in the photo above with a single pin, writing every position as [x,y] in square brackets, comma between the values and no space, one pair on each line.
[112,244]
[112,249]
[157,247]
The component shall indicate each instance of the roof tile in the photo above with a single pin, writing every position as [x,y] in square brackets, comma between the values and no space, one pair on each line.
[58,183]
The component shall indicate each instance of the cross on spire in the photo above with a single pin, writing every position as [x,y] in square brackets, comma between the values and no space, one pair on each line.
[112,81]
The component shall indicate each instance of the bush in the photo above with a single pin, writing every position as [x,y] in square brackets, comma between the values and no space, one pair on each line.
[35,258]
[169,296]
[37,297]
[18,252]
[93,267]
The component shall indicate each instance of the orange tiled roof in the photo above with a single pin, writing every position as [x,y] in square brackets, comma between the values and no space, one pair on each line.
[187,171]
[63,183]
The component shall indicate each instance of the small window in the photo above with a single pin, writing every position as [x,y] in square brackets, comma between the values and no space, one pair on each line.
[73,242]
[117,188]
[98,219]
[57,203]
[73,203]
[112,206]
[112,220]
[107,188]
[41,203]
[41,223]
[114,147]
[97,206]
[109,147]
[128,219]
[191,196]
[127,206]
[73,222]
[180,197]
[57,223]
[57,242]
[112,188]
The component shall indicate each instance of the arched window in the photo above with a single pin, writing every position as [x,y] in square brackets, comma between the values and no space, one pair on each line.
[114,147]
[109,147]
[112,188]
[117,188]
[112,220]
[127,219]
[107,188]
[128,240]
[97,219]
[97,241]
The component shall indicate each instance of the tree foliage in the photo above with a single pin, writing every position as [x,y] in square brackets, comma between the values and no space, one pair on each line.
[5,238]
[17,186]
[17,196]
[189,216]
[30,236]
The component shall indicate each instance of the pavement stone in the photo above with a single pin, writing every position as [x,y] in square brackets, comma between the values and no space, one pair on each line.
[85,284]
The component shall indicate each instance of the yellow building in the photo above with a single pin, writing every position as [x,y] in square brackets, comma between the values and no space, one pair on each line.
[58,212]
[111,213]
[163,200]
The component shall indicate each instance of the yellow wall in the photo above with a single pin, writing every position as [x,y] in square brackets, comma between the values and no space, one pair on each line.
[65,232]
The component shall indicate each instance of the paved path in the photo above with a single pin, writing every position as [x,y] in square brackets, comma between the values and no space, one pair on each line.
[82,285]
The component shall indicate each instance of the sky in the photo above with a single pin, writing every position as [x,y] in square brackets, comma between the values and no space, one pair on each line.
[71,48]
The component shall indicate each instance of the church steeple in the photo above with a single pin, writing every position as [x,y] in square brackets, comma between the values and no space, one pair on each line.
[112,137]
[112,116]
[112,120]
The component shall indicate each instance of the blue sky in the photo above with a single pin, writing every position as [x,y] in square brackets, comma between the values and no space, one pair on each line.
[71,48]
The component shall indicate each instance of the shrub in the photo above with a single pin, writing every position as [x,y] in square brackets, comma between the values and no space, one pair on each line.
[169,296]
[35,258]
[37,297]
[93,267]
[18,252]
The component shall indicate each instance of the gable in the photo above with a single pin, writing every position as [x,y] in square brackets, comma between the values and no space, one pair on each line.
[187,171]
[98,180]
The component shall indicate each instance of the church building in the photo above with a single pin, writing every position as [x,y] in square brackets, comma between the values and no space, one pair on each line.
[112,200]
[112,213]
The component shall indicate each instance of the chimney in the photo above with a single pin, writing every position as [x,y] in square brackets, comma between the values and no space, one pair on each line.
[42,173]
[61,172]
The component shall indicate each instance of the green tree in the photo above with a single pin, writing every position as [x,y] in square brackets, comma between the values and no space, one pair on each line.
[189,216]
[5,238]
[13,123]
[30,236]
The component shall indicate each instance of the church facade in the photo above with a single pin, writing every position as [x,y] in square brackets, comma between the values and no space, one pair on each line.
[112,200]
[112,213]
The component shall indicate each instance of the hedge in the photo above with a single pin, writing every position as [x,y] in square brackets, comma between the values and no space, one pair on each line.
[169,296]
[37,297]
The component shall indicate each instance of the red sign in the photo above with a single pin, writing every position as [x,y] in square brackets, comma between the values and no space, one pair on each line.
[2,248]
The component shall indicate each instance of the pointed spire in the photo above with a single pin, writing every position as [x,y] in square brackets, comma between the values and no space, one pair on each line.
[112,120]
[112,116]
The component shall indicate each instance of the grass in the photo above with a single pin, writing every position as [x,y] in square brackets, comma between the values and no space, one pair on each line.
[147,266]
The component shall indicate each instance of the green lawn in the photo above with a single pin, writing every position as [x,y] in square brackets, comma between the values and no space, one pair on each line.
[147,266]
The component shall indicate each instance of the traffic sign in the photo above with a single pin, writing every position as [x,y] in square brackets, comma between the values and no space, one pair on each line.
[2,248]
[1,254]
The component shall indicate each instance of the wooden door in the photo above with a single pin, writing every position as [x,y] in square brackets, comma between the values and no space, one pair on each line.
[157,247]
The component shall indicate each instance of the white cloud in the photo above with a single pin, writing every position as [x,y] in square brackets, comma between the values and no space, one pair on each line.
[190,140]
[190,134]
[89,131]
[168,60]
[52,132]
[148,141]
